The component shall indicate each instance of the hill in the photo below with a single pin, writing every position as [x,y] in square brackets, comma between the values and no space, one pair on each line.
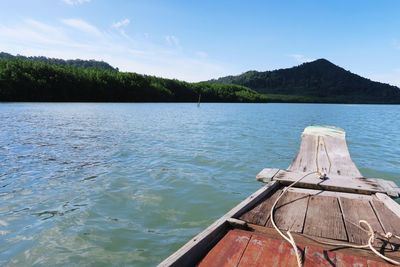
[53,80]
[317,81]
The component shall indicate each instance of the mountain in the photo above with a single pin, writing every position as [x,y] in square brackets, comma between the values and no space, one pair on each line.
[317,81]
[34,79]
[71,62]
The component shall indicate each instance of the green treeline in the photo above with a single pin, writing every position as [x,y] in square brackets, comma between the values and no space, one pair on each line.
[317,81]
[69,62]
[24,79]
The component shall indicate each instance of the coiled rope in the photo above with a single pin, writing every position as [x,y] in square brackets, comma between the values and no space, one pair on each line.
[289,238]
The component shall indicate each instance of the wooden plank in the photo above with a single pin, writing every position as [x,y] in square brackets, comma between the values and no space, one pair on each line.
[302,241]
[266,175]
[315,256]
[323,160]
[261,212]
[339,154]
[228,251]
[290,212]
[391,188]
[355,210]
[268,252]
[338,183]
[324,148]
[389,203]
[191,252]
[390,222]
[250,201]
[324,218]
[345,260]
[305,160]
[315,192]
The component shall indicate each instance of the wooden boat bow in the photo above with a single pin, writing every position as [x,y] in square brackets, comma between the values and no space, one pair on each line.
[322,208]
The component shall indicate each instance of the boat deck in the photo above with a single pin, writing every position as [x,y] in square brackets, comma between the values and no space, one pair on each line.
[318,212]
[244,248]
[326,215]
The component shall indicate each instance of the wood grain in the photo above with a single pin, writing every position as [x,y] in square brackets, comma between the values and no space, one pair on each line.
[261,212]
[290,212]
[268,252]
[324,218]
[228,251]
[334,182]
[326,150]
[355,210]
[389,221]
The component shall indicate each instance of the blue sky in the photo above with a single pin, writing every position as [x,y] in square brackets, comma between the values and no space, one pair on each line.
[200,40]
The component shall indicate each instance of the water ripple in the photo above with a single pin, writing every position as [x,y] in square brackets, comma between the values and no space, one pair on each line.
[127,184]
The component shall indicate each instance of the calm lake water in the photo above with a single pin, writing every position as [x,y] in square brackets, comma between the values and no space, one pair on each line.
[128,184]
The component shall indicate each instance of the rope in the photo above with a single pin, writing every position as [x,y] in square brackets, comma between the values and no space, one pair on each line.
[371,233]
[289,238]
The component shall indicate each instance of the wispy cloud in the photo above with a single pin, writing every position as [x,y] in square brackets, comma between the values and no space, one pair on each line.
[301,58]
[76,38]
[172,41]
[120,27]
[120,24]
[32,32]
[75,2]
[82,26]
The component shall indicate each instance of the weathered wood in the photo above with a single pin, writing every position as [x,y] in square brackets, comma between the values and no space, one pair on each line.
[268,252]
[345,260]
[261,212]
[266,175]
[324,218]
[301,240]
[324,149]
[390,187]
[390,222]
[315,192]
[250,201]
[305,160]
[228,251]
[290,212]
[197,247]
[389,203]
[355,210]
[255,252]
[338,183]
[315,256]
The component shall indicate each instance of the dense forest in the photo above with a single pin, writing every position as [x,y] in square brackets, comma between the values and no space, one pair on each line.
[49,79]
[43,79]
[317,81]
[69,62]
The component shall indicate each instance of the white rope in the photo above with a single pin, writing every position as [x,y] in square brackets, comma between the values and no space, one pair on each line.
[288,238]
[371,233]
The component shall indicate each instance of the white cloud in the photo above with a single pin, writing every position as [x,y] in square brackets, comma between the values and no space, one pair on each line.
[32,32]
[121,23]
[172,41]
[69,40]
[82,26]
[301,58]
[75,2]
